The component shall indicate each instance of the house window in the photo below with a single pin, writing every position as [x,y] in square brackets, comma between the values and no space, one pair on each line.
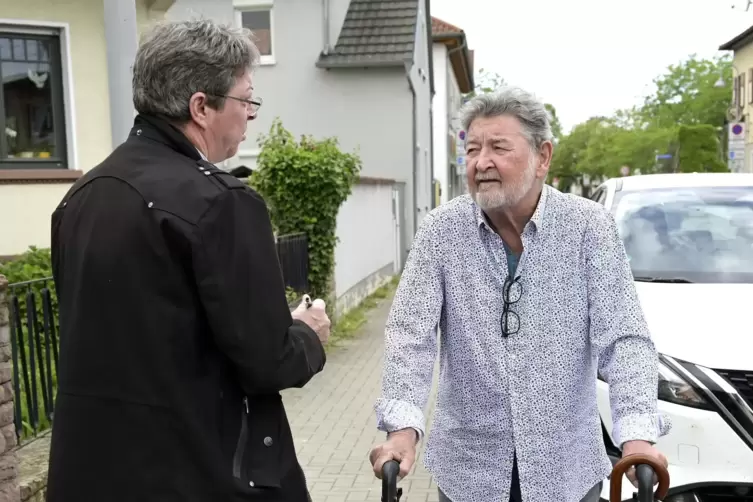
[257,16]
[32,116]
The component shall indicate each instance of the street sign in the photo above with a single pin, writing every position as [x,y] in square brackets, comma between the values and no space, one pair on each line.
[737,133]
[737,153]
[664,156]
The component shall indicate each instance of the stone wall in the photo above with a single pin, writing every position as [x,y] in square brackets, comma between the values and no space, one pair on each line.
[9,490]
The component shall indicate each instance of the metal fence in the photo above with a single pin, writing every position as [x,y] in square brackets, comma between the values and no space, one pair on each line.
[293,252]
[34,345]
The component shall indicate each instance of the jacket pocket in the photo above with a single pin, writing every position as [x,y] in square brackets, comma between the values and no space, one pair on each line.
[240,447]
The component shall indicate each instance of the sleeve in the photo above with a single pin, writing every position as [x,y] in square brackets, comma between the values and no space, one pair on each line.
[240,285]
[628,360]
[410,342]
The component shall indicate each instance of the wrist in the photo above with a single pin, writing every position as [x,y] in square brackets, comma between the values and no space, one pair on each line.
[409,433]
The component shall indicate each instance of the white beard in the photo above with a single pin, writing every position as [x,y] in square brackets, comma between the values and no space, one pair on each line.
[506,195]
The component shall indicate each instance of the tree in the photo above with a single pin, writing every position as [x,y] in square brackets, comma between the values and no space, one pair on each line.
[687,94]
[699,149]
[486,82]
[680,118]
[554,122]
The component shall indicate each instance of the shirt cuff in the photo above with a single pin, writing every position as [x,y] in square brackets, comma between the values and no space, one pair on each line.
[641,428]
[394,415]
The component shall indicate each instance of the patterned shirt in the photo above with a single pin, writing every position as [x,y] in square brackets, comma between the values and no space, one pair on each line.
[533,392]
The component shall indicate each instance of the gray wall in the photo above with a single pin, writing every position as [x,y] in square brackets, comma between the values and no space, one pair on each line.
[369,109]
[419,77]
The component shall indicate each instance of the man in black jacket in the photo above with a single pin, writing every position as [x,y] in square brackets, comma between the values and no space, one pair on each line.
[176,337]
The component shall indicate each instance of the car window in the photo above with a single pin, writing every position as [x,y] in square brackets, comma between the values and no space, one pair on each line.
[701,234]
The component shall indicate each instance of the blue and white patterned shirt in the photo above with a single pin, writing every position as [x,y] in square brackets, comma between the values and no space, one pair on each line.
[533,392]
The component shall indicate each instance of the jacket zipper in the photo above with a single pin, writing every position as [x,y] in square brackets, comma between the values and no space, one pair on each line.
[242,439]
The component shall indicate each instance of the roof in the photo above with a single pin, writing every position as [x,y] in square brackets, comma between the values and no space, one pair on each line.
[739,41]
[680,180]
[461,57]
[438,26]
[375,33]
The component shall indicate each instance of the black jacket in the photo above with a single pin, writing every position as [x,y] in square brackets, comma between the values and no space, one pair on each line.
[175,334]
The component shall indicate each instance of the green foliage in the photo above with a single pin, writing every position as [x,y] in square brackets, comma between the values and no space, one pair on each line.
[34,264]
[304,184]
[554,121]
[686,96]
[699,149]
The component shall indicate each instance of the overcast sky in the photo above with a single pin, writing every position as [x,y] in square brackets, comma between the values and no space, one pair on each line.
[591,57]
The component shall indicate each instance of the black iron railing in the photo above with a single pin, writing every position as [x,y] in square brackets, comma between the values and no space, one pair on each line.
[34,344]
[293,252]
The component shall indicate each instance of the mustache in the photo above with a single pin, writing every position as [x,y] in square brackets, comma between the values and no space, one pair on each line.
[487,177]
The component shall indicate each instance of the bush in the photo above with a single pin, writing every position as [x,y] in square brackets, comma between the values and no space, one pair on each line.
[304,184]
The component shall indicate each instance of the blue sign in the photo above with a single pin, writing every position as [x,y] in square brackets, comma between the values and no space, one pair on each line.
[461,161]
[461,135]
[664,156]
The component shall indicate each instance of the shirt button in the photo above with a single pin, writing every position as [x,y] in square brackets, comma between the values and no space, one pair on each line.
[138,132]
[268,441]
[251,484]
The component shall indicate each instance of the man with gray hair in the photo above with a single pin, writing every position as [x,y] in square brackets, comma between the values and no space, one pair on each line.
[176,336]
[533,295]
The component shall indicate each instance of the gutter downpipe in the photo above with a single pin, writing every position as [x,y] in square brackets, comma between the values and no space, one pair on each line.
[325,27]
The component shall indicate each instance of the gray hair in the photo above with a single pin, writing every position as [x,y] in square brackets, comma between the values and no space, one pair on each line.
[516,102]
[177,59]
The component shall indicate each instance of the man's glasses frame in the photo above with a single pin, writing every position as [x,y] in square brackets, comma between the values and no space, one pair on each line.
[512,291]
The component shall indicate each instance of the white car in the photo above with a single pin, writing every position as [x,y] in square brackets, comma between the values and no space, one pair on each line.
[689,238]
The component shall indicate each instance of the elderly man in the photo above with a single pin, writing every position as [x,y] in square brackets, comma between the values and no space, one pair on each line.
[176,336]
[533,295]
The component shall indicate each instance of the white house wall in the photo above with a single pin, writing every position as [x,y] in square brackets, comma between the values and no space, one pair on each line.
[365,253]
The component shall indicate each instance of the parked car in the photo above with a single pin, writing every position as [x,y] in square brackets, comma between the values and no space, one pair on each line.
[689,239]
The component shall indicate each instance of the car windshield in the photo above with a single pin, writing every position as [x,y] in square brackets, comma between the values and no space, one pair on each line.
[695,234]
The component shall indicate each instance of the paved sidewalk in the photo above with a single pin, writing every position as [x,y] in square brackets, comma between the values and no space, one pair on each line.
[334,425]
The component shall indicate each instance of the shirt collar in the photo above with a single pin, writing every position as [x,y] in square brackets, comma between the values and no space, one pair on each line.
[537,218]
[202,155]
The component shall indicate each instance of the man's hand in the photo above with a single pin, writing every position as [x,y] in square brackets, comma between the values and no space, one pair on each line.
[400,446]
[643,448]
[315,317]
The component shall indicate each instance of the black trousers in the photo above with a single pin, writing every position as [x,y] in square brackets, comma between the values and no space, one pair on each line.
[515,495]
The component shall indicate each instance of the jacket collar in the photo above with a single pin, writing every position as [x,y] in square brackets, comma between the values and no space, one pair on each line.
[160,130]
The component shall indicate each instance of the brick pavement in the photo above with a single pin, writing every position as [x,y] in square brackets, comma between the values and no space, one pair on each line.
[334,425]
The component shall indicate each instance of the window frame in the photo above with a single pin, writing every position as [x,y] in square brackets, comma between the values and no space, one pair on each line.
[58,96]
[240,6]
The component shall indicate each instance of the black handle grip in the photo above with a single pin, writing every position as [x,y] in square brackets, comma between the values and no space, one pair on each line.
[390,471]
[645,475]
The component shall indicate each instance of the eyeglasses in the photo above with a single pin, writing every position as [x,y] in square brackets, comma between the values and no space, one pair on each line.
[253,104]
[512,290]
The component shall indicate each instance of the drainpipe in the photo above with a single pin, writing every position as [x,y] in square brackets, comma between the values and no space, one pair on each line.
[325,27]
